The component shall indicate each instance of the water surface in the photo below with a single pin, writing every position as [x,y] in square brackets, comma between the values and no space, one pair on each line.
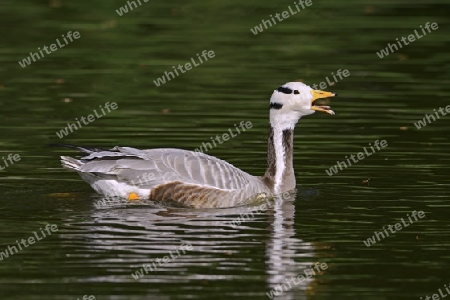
[96,250]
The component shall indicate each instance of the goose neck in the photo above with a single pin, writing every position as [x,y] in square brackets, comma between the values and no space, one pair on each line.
[280,170]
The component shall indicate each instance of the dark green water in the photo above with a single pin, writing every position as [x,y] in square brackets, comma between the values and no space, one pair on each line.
[95,250]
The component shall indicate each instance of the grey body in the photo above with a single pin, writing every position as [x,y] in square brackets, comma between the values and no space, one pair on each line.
[188,178]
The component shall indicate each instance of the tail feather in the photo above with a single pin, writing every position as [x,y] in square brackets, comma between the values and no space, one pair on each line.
[71,163]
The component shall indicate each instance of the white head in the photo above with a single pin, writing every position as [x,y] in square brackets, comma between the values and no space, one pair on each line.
[293,100]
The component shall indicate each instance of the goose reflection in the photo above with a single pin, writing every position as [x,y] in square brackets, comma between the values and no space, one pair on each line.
[288,278]
[121,237]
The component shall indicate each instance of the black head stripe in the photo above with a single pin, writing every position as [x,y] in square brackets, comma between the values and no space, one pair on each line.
[275,105]
[284,90]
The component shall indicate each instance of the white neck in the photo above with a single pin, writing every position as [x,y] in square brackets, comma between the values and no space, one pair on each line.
[280,169]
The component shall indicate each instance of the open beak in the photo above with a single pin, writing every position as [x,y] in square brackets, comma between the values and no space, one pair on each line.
[321,94]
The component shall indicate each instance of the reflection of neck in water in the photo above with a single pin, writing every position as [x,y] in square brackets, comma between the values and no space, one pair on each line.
[282,249]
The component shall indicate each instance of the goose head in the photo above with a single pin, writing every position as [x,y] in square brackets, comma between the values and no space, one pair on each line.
[294,100]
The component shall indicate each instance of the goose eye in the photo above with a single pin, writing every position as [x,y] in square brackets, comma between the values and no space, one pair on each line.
[296,92]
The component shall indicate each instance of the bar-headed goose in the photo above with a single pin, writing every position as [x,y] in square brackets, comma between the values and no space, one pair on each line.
[194,179]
